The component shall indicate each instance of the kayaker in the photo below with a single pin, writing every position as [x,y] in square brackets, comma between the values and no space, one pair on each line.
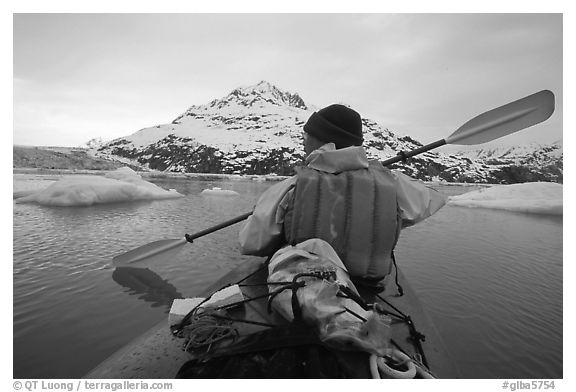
[356,205]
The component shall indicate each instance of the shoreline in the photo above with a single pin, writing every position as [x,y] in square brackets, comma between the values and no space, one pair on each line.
[199,176]
[151,174]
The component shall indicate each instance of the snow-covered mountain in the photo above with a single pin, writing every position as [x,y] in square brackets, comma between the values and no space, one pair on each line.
[527,162]
[258,130]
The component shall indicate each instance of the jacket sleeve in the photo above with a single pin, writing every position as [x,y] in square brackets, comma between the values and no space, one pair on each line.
[416,201]
[263,232]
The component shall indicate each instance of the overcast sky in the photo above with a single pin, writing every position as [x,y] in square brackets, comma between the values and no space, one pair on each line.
[81,76]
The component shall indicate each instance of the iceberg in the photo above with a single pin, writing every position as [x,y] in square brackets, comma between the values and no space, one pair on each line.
[218,192]
[530,197]
[121,185]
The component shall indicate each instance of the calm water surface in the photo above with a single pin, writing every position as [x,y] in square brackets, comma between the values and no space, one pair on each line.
[491,280]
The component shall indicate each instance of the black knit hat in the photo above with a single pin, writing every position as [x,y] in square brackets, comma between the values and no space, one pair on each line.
[337,124]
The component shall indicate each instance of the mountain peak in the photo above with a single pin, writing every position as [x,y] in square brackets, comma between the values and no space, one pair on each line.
[261,93]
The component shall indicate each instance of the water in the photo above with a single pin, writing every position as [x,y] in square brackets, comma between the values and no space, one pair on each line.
[491,280]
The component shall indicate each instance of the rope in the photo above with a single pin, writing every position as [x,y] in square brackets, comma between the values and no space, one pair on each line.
[416,336]
[246,321]
[264,265]
[400,289]
[187,317]
[205,328]
[273,295]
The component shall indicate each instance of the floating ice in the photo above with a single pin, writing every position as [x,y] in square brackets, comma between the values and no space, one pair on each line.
[22,193]
[121,185]
[218,192]
[531,197]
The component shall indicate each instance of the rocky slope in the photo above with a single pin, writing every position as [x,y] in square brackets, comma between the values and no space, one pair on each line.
[59,158]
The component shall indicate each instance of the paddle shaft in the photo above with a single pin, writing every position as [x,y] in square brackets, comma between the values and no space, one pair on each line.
[402,156]
[191,237]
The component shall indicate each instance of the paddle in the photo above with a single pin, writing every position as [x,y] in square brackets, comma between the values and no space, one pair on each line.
[494,124]
[488,126]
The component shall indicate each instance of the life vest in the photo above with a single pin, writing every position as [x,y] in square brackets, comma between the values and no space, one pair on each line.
[355,211]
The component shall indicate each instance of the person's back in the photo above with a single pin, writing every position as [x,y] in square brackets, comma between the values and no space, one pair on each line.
[355,211]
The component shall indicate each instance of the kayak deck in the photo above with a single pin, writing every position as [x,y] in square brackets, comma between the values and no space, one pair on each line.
[159,354]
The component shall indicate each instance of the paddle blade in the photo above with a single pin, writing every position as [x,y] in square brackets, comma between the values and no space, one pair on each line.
[148,285]
[150,253]
[505,120]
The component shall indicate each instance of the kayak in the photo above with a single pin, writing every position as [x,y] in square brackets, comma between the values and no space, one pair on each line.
[262,336]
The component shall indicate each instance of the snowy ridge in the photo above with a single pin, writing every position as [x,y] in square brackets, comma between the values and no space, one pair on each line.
[258,130]
[535,150]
